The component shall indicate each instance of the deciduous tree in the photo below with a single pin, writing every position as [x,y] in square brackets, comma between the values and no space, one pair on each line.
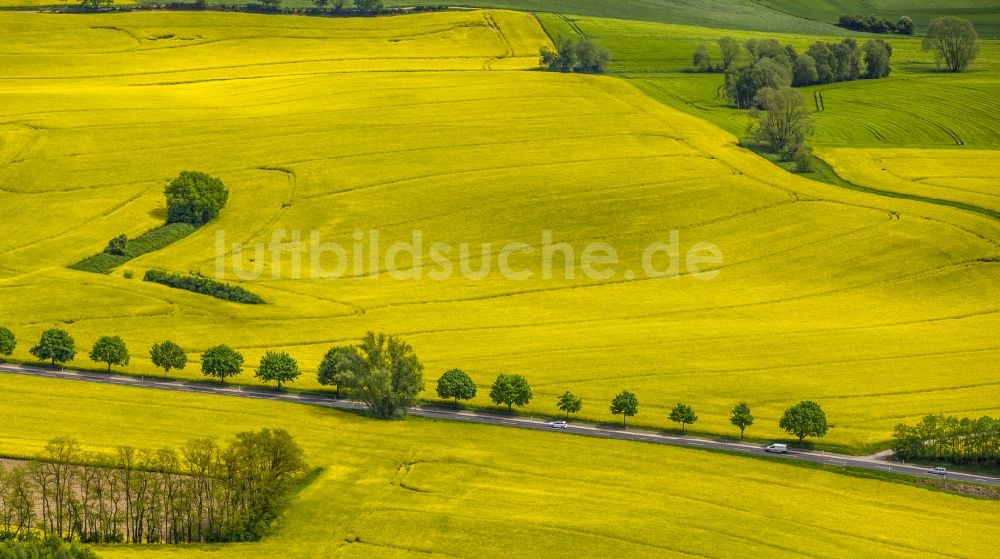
[221,362]
[167,355]
[369,6]
[683,414]
[55,345]
[702,60]
[626,405]
[730,52]
[805,419]
[388,377]
[785,124]
[804,71]
[456,384]
[877,54]
[339,367]
[510,391]
[569,403]
[195,198]
[7,342]
[741,417]
[905,26]
[279,367]
[954,42]
[110,350]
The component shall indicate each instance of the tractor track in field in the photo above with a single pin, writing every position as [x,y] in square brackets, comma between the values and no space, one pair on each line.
[488,418]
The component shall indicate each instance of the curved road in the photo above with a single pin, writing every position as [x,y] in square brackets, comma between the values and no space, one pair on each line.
[586,429]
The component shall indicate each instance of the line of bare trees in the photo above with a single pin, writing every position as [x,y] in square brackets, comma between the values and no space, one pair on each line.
[204,492]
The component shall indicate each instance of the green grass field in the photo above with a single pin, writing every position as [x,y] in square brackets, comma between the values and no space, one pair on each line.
[915,107]
[738,14]
[985,14]
[882,310]
[420,488]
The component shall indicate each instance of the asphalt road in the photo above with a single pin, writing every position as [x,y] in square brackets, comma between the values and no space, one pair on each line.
[585,429]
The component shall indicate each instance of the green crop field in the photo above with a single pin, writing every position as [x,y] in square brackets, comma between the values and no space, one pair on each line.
[737,14]
[881,309]
[915,107]
[985,14]
[419,488]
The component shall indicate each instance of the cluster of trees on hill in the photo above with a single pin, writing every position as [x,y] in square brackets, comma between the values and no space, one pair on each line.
[878,24]
[948,438]
[582,56]
[364,6]
[771,64]
[782,124]
[193,199]
[202,493]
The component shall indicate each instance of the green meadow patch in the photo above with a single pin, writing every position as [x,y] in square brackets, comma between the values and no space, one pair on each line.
[150,241]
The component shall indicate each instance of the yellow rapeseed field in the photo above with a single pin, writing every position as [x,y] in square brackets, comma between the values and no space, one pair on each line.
[882,310]
[419,488]
[967,176]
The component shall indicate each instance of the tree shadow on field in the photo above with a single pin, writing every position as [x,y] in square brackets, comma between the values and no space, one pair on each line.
[931,69]
[159,214]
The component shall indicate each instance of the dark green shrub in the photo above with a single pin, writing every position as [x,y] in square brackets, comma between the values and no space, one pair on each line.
[204,286]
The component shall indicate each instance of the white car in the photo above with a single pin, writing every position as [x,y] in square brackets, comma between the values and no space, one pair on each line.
[780,448]
[558,424]
[938,471]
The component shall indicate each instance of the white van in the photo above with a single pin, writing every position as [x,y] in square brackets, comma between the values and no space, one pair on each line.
[780,448]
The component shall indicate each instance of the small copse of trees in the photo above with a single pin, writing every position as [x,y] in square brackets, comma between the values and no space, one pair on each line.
[783,126]
[382,372]
[202,493]
[582,56]
[950,439]
[771,64]
[877,24]
[729,53]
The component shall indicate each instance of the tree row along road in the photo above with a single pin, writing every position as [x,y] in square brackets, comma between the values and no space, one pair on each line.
[585,429]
